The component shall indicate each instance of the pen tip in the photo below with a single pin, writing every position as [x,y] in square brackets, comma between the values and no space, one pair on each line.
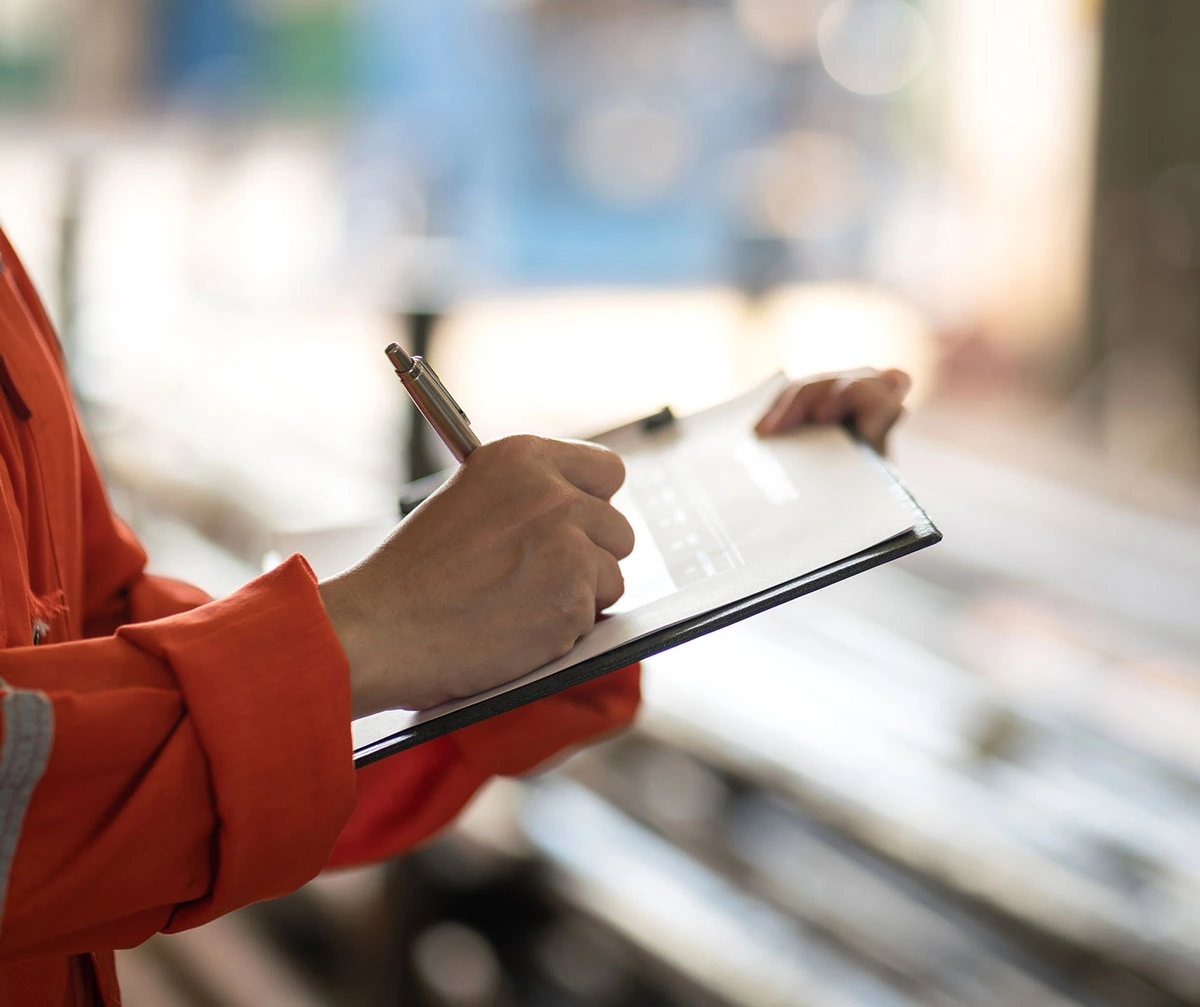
[400,360]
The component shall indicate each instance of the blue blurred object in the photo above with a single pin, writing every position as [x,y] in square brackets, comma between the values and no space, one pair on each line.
[236,55]
[489,101]
[206,51]
[555,144]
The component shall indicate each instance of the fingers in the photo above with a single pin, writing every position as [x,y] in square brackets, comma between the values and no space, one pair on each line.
[872,400]
[610,582]
[594,469]
[607,527]
[900,382]
[873,411]
[794,406]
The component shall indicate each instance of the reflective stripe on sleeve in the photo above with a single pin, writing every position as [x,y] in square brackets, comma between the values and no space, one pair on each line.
[28,735]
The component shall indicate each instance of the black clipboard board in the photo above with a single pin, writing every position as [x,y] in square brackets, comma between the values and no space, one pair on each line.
[922,535]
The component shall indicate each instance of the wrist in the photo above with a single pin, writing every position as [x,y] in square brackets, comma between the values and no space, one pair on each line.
[350,626]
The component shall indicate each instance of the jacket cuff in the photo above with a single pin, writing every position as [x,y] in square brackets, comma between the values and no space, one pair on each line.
[523,739]
[267,686]
[404,800]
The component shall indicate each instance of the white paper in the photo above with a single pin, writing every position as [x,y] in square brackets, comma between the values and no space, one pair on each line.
[719,515]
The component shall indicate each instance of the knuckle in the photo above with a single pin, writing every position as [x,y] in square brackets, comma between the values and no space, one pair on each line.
[565,641]
[566,552]
[576,605]
[583,610]
[516,447]
[583,618]
[519,442]
[581,550]
[500,447]
[559,507]
[492,458]
[570,504]
[573,507]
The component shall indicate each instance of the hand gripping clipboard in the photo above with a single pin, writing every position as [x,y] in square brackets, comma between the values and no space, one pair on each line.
[728,525]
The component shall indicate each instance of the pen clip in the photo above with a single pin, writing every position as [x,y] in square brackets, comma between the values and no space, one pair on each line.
[432,375]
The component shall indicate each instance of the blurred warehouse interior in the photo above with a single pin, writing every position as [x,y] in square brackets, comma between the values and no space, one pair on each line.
[972,777]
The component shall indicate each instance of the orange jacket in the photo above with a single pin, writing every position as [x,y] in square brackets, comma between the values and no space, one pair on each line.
[165,758]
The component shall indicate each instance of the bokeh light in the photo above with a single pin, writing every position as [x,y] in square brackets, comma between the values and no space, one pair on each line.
[806,185]
[629,153]
[873,47]
[458,965]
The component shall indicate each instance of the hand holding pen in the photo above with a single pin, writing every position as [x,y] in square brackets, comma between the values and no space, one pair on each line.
[498,572]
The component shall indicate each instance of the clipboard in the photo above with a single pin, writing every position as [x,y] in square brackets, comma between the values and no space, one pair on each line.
[765,477]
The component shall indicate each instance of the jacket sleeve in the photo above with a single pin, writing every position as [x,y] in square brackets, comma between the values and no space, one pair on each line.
[406,798]
[173,771]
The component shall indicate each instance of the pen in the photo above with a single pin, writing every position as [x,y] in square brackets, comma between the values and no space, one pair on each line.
[437,405]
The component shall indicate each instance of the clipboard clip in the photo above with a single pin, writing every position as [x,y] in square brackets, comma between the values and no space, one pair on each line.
[656,421]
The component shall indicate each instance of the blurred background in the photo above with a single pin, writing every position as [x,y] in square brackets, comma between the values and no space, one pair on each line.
[971,777]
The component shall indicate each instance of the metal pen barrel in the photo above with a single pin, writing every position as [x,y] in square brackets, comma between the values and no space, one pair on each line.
[435,402]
